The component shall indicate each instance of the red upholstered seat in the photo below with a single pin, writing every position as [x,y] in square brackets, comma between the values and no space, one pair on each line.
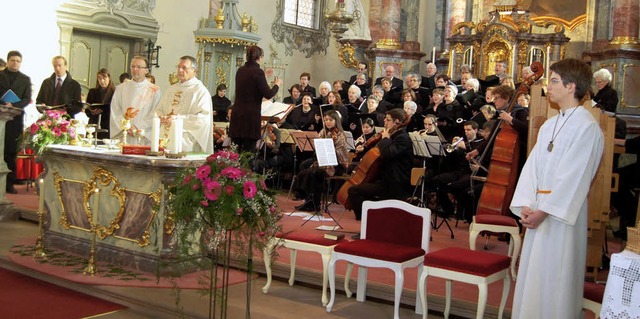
[593,291]
[467,261]
[380,250]
[496,220]
[311,238]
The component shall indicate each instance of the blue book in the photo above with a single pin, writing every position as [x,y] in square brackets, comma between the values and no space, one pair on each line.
[10,97]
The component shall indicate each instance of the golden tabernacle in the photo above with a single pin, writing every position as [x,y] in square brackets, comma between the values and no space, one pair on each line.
[118,201]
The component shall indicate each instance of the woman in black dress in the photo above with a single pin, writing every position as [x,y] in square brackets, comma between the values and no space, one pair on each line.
[101,94]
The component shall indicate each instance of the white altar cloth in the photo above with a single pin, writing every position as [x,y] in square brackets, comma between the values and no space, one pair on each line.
[622,293]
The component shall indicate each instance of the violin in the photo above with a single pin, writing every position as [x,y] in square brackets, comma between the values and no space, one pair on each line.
[218,133]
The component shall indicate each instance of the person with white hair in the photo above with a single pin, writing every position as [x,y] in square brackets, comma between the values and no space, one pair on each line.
[606,98]
[429,81]
[323,90]
[415,123]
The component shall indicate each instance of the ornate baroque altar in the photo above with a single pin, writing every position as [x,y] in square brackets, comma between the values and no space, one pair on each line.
[122,198]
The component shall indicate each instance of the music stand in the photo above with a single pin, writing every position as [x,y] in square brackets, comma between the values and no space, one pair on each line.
[303,141]
[435,148]
[325,156]
[420,149]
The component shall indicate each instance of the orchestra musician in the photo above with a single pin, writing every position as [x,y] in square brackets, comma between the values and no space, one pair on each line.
[456,165]
[308,183]
[362,147]
[276,154]
[518,118]
[396,154]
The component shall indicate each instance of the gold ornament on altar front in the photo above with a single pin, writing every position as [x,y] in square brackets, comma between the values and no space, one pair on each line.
[219,19]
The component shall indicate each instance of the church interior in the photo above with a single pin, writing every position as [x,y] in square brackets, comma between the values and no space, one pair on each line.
[346,43]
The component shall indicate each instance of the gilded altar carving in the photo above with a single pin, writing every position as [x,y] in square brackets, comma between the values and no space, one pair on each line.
[221,40]
[67,189]
[466,24]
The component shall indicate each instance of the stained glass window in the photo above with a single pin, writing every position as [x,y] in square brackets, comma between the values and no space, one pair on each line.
[301,13]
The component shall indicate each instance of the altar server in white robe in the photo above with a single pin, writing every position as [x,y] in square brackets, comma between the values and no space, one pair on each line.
[140,94]
[190,99]
[551,200]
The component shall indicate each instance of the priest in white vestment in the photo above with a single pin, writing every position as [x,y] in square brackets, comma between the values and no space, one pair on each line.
[551,199]
[139,94]
[190,99]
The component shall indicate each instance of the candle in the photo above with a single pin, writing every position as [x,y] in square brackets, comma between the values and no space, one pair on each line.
[548,60]
[177,122]
[41,203]
[100,121]
[471,57]
[155,133]
[97,207]
[433,55]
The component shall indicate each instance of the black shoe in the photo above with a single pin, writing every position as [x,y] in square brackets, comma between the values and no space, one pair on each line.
[11,189]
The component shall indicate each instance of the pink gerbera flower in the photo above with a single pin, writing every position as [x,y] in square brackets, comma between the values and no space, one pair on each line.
[212,190]
[203,172]
[232,172]
[250,189]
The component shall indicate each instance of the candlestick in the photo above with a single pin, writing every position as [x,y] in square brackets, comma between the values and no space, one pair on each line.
[155,133]
[41,203]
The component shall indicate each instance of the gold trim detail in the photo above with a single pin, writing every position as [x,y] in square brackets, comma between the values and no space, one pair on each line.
[624,40]
[571,25]
[346,55]
[231,41]
[388,44]
[105,178]
[466,24]
[623,103]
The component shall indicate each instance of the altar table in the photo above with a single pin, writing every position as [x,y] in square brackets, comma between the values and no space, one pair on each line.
[120,198]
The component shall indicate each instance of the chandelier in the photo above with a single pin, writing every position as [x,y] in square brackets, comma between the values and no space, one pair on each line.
[339,20]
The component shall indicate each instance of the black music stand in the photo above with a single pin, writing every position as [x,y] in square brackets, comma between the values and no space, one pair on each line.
[435,148]
[303,140]
[325,156]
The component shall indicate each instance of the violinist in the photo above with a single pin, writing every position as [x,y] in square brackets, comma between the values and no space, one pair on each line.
[220,137]
[396,154]
[363,143]
[277,154]
[308,183]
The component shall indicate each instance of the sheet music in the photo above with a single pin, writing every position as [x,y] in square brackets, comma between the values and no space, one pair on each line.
[325,152]
[276,110]
[434,146]
[419,145]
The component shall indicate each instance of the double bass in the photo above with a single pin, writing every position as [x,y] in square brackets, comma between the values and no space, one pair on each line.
[500,185]
[369,167]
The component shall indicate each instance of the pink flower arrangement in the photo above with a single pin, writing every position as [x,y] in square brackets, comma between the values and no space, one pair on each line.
[52,128]
[224,192]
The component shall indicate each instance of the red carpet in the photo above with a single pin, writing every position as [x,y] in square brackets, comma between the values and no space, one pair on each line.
[25,297]
[133,279]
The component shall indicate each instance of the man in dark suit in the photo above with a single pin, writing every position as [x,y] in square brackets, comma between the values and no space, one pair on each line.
[390,73]
[21,86]
[60,88]
[494,79]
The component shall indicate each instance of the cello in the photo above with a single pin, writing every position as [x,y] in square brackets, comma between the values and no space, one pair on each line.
[500,184]
[369,167]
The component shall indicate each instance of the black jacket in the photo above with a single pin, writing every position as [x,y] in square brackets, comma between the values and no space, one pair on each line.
[21,86]
[397,160]
[607,99]
[70,92]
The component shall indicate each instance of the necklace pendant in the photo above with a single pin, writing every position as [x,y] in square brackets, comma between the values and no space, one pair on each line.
[550,147]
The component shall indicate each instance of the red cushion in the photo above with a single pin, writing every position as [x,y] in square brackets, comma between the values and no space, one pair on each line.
[311,238]
[394,225]
[467,261]
[593,291]
[380,250]
[496,220]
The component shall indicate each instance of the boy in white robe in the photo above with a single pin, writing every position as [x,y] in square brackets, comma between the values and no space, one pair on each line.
[190,99]
[140,94]
[551,200]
